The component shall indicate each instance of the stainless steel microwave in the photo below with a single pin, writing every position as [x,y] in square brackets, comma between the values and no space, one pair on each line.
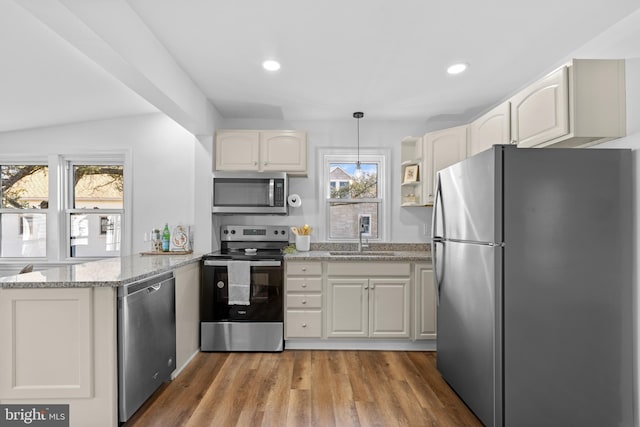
[250,193]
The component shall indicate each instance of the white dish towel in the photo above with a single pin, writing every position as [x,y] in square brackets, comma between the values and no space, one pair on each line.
[239,273]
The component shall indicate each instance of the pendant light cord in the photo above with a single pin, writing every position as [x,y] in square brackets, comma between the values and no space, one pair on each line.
[358,115]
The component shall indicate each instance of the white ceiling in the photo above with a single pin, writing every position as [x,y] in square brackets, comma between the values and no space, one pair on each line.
[385,58]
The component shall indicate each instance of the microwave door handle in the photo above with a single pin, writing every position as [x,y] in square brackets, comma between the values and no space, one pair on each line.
[271,192]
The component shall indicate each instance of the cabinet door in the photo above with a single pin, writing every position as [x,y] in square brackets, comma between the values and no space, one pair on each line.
[347,307]
[541,112]
[490,129]
[389,308]
[443,149]
[237,150]
[283,151]
[425,326]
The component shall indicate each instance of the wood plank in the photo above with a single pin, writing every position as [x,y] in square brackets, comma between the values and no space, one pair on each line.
[307,388]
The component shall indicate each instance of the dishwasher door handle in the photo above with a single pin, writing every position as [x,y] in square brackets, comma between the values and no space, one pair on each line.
[154,288]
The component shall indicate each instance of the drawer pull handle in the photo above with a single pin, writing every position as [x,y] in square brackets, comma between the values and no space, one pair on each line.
[304,325]
[304,268]
[304,285]
[304,301]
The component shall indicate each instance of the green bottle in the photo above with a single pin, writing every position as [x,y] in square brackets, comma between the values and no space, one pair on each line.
[166,236]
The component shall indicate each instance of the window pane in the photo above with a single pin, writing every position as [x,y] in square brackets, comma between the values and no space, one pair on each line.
[24,235]
[24,186]
[95,235]
[98,187]
[344,219]
[346,183]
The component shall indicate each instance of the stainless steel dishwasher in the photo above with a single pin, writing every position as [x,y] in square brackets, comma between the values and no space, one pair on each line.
[146,340]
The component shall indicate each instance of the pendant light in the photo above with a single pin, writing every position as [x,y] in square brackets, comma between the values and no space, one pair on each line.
[358,115]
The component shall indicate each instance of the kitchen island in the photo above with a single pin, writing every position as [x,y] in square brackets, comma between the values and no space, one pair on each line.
[59,332]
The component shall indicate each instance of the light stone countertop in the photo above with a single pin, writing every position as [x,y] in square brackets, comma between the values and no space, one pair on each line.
[397,256]
[398,252]
[109,272]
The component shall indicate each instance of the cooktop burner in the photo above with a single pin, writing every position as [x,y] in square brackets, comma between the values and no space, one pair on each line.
[250,242]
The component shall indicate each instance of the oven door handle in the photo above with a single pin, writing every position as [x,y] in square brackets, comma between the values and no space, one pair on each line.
[224,263]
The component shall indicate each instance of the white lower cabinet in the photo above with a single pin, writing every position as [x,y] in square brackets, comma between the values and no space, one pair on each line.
[59,345]
[376,306]
[303,303]
[425,303]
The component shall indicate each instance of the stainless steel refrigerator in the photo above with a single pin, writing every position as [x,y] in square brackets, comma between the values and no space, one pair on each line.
[532,252]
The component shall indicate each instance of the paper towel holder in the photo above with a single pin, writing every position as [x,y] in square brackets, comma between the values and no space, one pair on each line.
[294,201]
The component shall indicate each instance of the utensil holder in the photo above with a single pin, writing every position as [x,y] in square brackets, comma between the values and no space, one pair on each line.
[303,243]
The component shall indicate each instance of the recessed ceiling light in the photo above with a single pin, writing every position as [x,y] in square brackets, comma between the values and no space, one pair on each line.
[271,65]
[457,68]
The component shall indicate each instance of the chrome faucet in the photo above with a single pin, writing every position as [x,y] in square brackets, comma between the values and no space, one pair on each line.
[362,228]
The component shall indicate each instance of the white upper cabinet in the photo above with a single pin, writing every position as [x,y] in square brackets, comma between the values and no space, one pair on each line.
[443,148]
[252,150]
[577,105]
[237,150]
[284,151]
[492,128]
[540,113]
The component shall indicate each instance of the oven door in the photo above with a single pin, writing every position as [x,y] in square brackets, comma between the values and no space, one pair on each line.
[266,293]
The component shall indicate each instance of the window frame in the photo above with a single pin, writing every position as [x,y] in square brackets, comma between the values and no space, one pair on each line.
[58,227]
[346,155]
[29,160]
[69,210]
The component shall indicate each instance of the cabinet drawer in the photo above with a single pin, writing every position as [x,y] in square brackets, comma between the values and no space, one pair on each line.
[304,301]
[304,268]
[368,269]
[313,284]
[303,324]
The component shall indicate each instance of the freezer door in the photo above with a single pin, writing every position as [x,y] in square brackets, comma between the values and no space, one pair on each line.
[469,325]
[468,201]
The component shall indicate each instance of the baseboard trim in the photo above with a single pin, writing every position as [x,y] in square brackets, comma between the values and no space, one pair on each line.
[339,344]
[175,373]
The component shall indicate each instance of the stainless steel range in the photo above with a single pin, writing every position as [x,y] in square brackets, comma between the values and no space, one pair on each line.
[242,290]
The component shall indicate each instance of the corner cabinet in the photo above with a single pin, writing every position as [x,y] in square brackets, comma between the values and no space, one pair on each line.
[577,105]
[374,304]
[442,149]
[262,151]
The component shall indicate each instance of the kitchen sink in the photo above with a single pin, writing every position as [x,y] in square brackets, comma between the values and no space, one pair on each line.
[363,253]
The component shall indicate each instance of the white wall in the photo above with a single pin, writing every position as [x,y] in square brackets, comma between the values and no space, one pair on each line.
[166,162]
[407,224]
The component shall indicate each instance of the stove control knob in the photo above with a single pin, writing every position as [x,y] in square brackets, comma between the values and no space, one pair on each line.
[233,231]
[220,284]
[275,231]
[226,231]
[282,232]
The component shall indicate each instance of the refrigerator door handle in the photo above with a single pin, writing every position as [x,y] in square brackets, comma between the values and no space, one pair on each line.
[438,283]
[437,201]
[436,205]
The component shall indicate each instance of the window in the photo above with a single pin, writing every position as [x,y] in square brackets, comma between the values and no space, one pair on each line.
[350,194]
[95,209]
[23,210]
[54,208]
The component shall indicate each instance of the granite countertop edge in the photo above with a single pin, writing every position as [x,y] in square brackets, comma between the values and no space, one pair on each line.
[108,272]
[397,256]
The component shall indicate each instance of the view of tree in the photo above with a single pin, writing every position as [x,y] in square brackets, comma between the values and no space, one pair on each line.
[13,193]
[11,175]
[362,187]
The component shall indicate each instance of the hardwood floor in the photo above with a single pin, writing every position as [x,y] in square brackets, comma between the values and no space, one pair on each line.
[307,388]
